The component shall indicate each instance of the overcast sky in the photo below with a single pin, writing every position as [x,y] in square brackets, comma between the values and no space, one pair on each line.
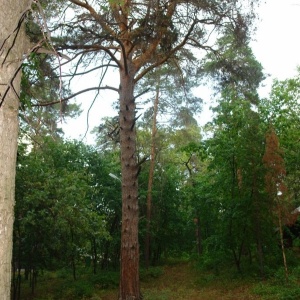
[276,45]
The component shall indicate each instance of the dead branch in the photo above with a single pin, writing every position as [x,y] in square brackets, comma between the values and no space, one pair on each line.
[76,94]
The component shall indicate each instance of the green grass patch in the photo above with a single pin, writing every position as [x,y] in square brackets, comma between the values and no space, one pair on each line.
[150,273]
[181,281]
[105,280]
[157,294]
[280,292]
[277,287]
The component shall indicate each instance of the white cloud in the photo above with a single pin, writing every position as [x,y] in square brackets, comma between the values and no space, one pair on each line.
[277,44]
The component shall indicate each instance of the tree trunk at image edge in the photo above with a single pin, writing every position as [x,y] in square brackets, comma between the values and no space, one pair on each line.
[129,277]
[11,51]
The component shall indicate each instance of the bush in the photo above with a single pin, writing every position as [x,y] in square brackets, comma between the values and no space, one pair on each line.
[290,294]
[278,288]
[63,273]
[106,280]
[150,273]
[78,290]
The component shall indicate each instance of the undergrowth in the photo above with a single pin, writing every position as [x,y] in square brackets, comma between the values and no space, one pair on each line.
[183,280]
[278,287]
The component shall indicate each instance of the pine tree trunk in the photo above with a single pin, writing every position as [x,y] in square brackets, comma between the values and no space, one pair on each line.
[11,52]
[129,281]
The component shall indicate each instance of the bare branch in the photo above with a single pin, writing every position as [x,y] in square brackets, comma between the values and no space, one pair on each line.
[87,71]
[92,104]
[92,48]
[76,94]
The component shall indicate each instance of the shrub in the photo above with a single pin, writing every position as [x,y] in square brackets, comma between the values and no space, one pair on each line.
[150,273]
[106,280]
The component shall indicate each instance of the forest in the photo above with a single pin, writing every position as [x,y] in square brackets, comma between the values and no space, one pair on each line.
[158,207]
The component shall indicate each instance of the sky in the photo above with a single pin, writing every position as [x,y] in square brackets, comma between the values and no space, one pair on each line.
[277,40]
[276,45]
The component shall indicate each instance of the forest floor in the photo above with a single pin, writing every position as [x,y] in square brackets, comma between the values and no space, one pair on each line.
[182,281]
[174,281]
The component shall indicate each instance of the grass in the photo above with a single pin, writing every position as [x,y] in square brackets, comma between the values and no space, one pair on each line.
[278,288]
[177,281]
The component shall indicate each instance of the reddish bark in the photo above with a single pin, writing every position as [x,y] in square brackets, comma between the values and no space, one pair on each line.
[129,281]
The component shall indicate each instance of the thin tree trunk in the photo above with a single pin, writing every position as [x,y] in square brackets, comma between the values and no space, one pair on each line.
[257,222]
[18,294]
[113,228]
[150,178]
[73,255]
[14,283]
[259,246]
[282,245]
[198,234]
[260,253]
[236,261]
[129,277]
[11,51]
[33,280]
[95,255]
[17,266]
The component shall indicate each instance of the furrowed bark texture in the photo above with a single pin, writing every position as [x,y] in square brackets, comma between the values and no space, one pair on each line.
[12,49]
[129,283]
